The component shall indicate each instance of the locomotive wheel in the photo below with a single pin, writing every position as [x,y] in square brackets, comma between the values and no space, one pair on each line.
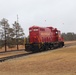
[52,47]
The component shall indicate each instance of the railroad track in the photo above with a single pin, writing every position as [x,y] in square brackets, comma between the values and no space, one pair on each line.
[13,56]
[2,59]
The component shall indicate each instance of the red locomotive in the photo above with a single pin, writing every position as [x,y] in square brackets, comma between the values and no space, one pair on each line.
[44,38]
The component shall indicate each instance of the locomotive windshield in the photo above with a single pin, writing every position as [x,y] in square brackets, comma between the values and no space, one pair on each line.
[34,29]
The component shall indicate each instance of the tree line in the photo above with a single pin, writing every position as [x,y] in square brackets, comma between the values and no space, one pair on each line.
[70,36]
[10,35]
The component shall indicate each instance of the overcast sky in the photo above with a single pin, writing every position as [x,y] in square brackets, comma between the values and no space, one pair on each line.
[57,13]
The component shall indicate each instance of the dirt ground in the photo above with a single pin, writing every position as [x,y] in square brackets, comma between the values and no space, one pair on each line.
[54,62]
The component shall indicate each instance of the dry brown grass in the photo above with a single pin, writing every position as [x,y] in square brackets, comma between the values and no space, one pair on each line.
[69,42]
[56,62]
[12,49]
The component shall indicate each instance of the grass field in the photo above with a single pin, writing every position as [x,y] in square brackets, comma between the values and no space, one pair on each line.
[12,49]
[69,42]
[55,62]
